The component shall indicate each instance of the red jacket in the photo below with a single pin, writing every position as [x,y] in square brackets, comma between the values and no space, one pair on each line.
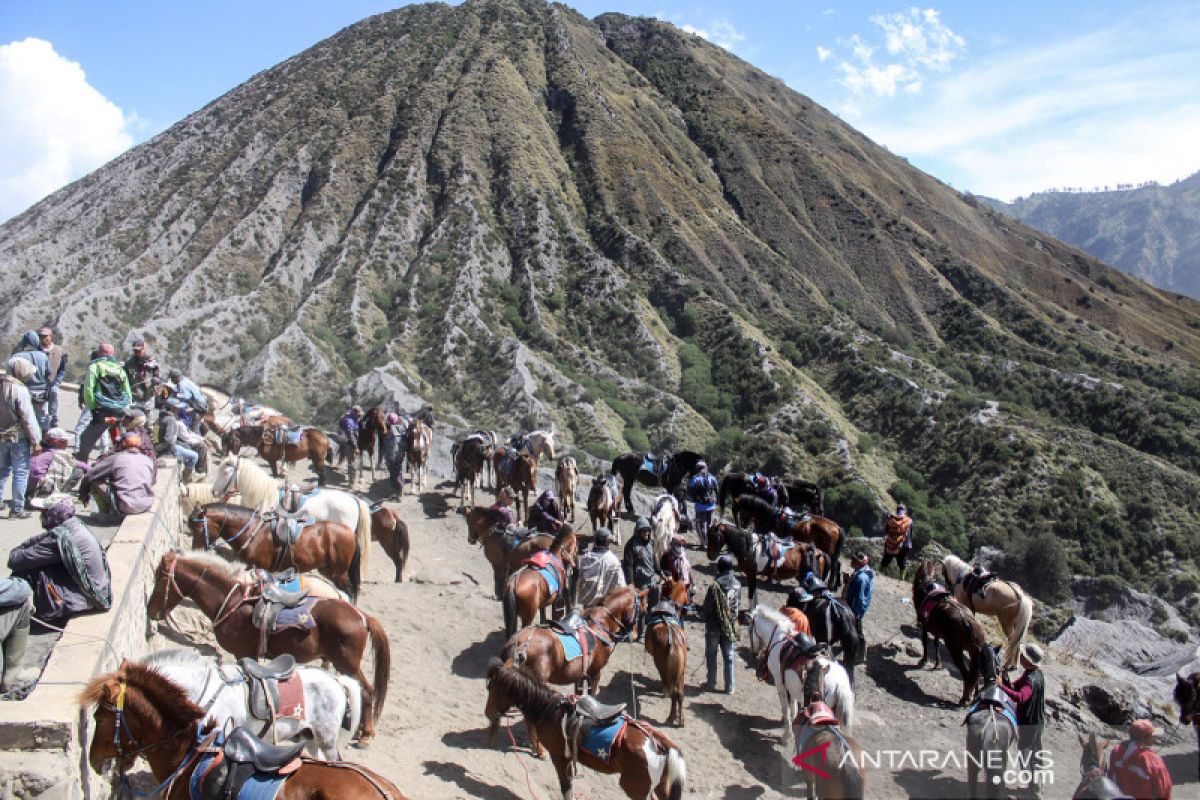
[1139,772]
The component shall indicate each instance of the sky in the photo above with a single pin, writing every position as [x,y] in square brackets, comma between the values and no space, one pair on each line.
[999,99]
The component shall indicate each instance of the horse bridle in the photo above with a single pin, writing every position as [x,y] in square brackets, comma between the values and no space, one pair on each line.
[625,628]
[200,516]
[231,481]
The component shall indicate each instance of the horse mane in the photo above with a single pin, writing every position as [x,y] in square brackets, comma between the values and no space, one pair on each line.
[214,563]
[773,616]
[753,503]
[254,482]
[153,696]
[537,701]
[954,567]
[175,657]
[743,539]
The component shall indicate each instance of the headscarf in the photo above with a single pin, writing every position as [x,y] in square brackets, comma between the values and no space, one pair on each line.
[57,514]
[21,369]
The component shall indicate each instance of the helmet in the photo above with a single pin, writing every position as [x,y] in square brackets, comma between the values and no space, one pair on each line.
[798,597]
[642,524]
[725,564]
[392,418]
[814,584]
[603,537]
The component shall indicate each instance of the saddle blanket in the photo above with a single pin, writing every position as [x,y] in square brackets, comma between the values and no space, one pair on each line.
[931,600]
[513,537]
[600,741]
[291,584]
[301,497]
[258,786]
[550,575]
[1006,710]
[663,616]
[291,697]
[570,645]
[297,617]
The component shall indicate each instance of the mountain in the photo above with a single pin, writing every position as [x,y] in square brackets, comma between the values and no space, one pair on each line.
[1152,232]
[610,226]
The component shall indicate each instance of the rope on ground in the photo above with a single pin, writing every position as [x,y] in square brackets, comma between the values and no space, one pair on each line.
[521,761]
[633,703]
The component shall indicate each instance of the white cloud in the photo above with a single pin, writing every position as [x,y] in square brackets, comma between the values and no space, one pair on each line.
[824,54]
[917,42]
[720,32]
[54,126]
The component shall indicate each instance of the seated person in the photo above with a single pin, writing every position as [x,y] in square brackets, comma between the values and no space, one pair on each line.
[503,506]
[176,440]
[121,482]
[54,470]
[65,566]
[545,514]
[16,605]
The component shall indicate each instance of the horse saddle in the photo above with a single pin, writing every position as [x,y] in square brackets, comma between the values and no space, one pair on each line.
[815,714]
[596,712]
[293,497]
[992,696]
[656,466]
[569,624]
[514,536]
[665,611]
[277,610]
[775,548]
[275,690]
[287,530]
[594,727]
[790,518]
[793,651]
[243,766]
[974,583]
[934,597]
[507,459]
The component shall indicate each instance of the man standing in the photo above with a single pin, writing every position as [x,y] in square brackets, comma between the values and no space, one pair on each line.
[39,384]
[1029,693]
[641,568]
[720,612]
[1138,770]
[702,491]
[349,426]
[105,394]
[121,482]
[897,543]
[58,370]
[599,571]
[858,594]
[20,434]
[144,375]
[393,453]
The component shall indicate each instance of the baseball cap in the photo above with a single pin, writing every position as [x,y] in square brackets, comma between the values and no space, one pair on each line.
[45,331]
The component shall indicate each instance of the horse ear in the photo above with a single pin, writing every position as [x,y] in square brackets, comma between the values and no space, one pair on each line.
[1082,741]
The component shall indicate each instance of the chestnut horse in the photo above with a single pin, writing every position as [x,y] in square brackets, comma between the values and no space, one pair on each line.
[484,529]
[141,714]
[420,441]
[666,642]
[392,533]
[521,477]
[370,437]
[824,533]
[339,635]
[330,548]
[602,502]
[941,616]
[312,444]
[528,591]
[752,559]
[566,480]
[650,765]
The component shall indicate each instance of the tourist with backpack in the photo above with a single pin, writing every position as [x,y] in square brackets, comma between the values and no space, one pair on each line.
[702,491]
[105,394]
[39,385]
[20,435]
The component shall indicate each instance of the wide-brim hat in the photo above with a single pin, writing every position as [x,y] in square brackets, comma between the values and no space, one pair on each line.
[1035,654]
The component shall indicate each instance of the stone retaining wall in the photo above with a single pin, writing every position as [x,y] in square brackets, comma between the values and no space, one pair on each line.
[44,738]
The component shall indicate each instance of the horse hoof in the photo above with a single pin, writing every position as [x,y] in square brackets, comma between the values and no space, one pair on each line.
[362,743]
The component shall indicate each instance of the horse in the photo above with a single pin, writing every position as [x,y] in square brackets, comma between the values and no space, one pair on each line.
[824,533]
[312,444]
[752,558]
[566,481]
[370,437]
[311,583]
[327,547]
[339,634]
[484,528]
[1094,783]
[800,495]
[139,713]
[991,733]
[538,445]
[839,773]
[420,441]
[664,522]
[220,690]
[392,534]
[528,592]
[490,441]
[832,622]
[629,466]
[648,762]
[521,477]
[1187,697]
[469,456]
[1002,599]
[200,493]
[941,616]
[769,629]
[666,642]
[602,502]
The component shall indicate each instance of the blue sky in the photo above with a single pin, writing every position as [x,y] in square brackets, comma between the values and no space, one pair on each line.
[1001,99]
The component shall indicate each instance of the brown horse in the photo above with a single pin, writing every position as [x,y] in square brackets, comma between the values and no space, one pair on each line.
[483,528]
[941,616]
[1094,783]
[566,481]
[830,760]
[370,437]
[468,456]
[339,635]
[752,558]
[528,591]
[330,548]
[521,477]
[420,441]
[648,762]
[392,533]
[824,533]
[603,504]
[1187,697]
[312,444]
[666,643]
[139,713]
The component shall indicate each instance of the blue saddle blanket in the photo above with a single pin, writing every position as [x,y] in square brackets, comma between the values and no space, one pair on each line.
[258,786]
[292,584]
[599,741]
[655,466]
[297,617]
[570,645]
[551,577]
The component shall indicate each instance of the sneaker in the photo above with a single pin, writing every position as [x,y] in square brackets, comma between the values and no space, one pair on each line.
[22,514]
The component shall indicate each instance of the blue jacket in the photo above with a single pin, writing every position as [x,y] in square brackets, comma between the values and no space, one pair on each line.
[858,590]
[697,489]
[31,351]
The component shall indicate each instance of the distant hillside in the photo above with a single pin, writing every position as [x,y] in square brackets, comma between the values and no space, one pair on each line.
[1152,233]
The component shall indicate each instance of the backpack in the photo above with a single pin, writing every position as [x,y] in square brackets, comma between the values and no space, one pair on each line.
[110,386]
[709,486]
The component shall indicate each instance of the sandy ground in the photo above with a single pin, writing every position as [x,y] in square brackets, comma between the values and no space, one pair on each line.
[444,627]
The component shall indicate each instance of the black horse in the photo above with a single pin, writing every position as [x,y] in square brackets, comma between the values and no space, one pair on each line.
[832,621]
[235,439]
[790,492]
[674,470]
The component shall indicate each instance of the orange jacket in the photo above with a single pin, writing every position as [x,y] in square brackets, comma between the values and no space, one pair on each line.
[798,618]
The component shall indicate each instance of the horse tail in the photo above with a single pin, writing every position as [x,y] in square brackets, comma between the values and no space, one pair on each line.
[383,662]
[355,578]
[353,691]
[853,785]
[363,534]
[676,774]
[1021,625]
[835,566]
[509,604]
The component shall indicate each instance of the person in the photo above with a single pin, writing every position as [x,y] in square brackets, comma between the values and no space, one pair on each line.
[121,482]
[64,566]
[545,515]
[16,608]
[641,568]
[105,394]
[599,571]
[426,415]
[793,609]
[898,542]
[170,441]
[144,375]
[394,452]
[720,612]
[38,385]
[20,433]
[349,427]
[702,491]
[1138,770]
[764,488]
[58,370]
[54,470]
[185,389]
[858,593]
[1029,694]
[503,506]
[675,564]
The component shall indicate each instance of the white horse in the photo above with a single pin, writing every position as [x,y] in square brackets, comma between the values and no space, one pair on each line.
[768,630]
[222,692]
[664,519]
[200,493]
[238,474]
[1004,600]
[539,444]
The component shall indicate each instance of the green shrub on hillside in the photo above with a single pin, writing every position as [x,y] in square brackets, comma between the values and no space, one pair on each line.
[854,505]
